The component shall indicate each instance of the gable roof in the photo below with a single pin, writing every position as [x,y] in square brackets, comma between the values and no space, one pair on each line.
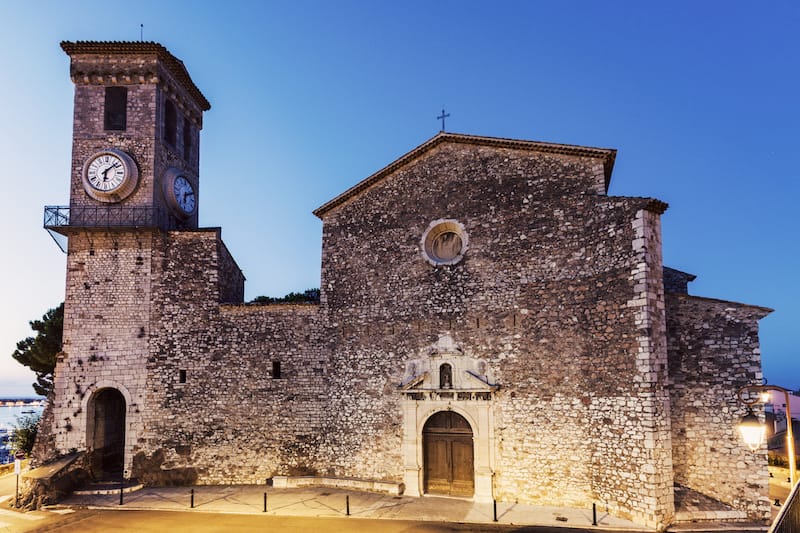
[607,155]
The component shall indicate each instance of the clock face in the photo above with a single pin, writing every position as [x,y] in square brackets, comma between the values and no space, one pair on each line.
[184,194]
[105,172]
[180,194]
[110,175]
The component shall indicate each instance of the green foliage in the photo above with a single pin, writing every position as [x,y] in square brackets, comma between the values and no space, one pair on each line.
[25,434]
[39,353]
[774,459]
[309,296]
[777,460]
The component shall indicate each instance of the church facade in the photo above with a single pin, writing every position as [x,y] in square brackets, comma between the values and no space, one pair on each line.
[491,325]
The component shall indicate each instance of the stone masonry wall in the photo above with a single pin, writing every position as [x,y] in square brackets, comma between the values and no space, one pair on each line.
[547,294]
[559,295]
[149,84]
[677,281]
[714,351]
[232,420]
[138,139]
[106,330]
[231,279]
[652,397]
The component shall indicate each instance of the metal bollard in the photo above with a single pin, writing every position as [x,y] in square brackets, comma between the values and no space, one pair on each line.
[191,502]
[265,502]
[347,502]
[120,494]
[594,514]
[494,506]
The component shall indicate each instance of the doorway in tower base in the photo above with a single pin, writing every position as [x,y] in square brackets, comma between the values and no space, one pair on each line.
[105,436]
[448,455]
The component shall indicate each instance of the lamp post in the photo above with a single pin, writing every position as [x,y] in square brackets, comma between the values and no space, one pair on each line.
[753,431]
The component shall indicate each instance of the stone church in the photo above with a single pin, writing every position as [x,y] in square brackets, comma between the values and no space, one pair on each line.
[492,325]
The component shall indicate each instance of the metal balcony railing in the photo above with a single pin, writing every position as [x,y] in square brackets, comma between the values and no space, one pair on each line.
[788,520]
[62,218]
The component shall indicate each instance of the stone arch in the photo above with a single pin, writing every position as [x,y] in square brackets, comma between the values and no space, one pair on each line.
[448,455]
[106,427]
[479,416]
[431,410]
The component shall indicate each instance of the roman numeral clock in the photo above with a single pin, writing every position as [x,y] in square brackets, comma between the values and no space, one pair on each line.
[110,175]
[179,193]
[136,134]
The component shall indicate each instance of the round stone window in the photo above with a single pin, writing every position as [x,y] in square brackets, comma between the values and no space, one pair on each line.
[444,242]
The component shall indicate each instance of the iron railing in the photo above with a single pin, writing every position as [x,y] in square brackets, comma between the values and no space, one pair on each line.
[788,520]
[61,218]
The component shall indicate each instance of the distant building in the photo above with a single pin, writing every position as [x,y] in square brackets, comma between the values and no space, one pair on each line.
[777,405]
[492,324]
[776,420]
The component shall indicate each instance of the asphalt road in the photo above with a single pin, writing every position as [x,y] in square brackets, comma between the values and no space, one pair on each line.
[176,522]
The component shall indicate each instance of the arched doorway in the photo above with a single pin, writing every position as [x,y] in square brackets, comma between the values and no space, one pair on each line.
[106,433]
[448,455]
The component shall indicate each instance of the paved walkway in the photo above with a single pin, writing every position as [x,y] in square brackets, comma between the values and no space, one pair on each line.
[333,502]
[329,502]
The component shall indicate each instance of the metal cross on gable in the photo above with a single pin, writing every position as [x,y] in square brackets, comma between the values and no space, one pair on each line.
[442,117]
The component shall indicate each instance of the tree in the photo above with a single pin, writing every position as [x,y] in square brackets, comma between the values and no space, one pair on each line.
[309,296]
[39,353]
[25,434]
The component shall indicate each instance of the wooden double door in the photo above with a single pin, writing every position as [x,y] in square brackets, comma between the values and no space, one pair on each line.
[448,455]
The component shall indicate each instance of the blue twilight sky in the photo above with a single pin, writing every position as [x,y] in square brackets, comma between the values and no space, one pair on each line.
[310,97]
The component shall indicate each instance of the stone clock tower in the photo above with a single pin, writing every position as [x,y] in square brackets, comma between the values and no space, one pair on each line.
[137,123]
[134,182]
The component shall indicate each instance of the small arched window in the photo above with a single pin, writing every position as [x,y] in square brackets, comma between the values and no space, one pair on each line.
[445,376]
[170,123]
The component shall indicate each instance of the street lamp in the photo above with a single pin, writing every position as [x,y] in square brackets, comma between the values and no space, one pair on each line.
[753,431]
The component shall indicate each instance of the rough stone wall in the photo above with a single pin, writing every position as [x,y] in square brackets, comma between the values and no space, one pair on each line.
[166,156]
[106,330]
[44,448]
[231,279]
[677,281]
[149,85]
[110,274]
[544,294]
[138,139]
[652,408]
[232,420]
[714,351]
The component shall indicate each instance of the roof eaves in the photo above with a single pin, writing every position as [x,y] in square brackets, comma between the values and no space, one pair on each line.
[763,311]
[175,65]
[687,275]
